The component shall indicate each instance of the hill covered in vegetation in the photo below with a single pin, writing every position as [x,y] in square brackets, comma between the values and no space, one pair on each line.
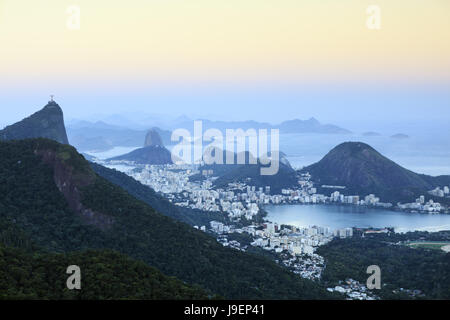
[104,275]
[50,197]
[363,170]
[250,172]
[401,266]
[46,123]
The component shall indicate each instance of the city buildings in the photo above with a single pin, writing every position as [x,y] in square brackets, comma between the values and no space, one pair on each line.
[242,204]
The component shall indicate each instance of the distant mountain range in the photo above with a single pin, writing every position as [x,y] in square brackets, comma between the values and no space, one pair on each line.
[363,170]
[311,125]
[101,136]
[399,136]
[371,134]
[46,123]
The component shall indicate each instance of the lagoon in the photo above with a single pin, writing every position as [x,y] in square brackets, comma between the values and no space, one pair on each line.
[342,216]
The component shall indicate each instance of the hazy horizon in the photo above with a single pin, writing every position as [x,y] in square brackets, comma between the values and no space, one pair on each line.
[276,61]
[144,65]
[366,111]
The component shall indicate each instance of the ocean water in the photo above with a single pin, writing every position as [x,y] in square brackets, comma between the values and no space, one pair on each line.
[114,152]
[426,154]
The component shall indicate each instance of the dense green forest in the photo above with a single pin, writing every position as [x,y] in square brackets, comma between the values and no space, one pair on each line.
[36,213]
[401,266]
[104,275]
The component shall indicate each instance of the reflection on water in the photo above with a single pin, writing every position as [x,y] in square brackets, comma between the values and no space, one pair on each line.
[335,217]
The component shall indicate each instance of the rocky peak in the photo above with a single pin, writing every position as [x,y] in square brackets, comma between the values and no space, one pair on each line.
[153,139]
[46,123]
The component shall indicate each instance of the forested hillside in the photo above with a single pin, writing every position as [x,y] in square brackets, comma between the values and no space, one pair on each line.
[104,275]
[401,266]
[51,195]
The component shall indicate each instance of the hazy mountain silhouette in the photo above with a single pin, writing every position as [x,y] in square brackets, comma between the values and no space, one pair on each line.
[153,151]
[46,123]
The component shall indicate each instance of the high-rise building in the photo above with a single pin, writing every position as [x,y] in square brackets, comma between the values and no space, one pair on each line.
[349,232]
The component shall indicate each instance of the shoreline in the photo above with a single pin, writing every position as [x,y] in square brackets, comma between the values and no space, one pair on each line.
[394,209]
[445,227]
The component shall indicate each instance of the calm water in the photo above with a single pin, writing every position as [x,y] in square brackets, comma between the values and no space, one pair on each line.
[347,216]
[114,152]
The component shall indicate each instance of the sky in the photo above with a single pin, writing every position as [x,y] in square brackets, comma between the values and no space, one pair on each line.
[265,60]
